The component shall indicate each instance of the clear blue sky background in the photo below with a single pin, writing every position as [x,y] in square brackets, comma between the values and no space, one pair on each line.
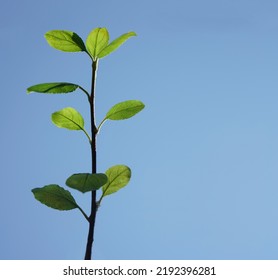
[204,152]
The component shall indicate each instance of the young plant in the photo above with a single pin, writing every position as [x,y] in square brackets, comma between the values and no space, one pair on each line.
[97,46]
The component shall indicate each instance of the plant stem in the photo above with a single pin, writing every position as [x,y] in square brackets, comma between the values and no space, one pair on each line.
[92,217]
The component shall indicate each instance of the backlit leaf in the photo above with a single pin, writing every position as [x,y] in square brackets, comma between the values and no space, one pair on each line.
[118,177]
[53,88]
[96,41]
[114,45]
[125,110]
[85,182]
[55,197]
[68,118]
[64,40]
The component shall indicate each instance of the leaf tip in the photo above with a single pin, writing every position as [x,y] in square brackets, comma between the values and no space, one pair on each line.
[48,34]
[132,33]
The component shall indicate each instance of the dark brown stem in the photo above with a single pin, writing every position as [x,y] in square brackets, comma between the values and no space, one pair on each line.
[92,217]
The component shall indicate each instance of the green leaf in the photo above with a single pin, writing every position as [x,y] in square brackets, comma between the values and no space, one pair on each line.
[96,41]
[85,182]
[64,40]
[53,88]
[68,118]
[125,110]
[118,177]
[55,197]
[114,45]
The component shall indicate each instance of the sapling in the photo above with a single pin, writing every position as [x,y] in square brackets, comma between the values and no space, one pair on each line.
[97,46]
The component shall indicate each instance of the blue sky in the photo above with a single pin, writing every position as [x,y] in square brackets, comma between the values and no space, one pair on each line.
[204,152]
